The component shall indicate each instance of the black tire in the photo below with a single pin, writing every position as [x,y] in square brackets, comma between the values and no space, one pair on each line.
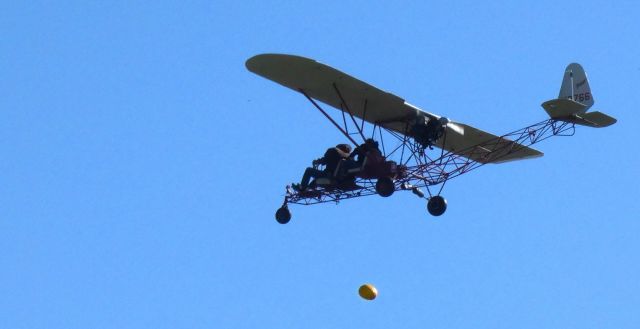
[283,215]
[437,205]
[385,186]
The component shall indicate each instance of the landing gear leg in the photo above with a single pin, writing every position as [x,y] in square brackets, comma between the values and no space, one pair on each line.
[437,205]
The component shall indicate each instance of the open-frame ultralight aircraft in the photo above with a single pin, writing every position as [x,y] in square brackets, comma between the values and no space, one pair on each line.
[407,135]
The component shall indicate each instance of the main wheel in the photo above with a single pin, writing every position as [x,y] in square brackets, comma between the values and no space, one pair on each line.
[283,215]
[385,186]
[437,205]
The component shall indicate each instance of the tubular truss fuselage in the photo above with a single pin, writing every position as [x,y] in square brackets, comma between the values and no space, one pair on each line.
[423,170]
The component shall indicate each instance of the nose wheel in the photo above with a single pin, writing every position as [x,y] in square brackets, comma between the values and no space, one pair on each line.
[437,205]
[283,215]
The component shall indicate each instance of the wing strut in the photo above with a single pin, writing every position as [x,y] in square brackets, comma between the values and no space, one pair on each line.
[364,115]
[328,117]
[348,110]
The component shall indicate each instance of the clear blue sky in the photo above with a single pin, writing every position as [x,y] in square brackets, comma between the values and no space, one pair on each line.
[142,164]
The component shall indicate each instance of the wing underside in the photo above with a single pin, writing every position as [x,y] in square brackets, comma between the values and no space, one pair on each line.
[346,93]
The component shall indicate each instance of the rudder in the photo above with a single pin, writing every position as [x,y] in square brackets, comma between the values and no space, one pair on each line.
[575,86]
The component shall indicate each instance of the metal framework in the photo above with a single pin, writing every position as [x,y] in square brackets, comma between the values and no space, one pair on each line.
[429,172]
[421,170]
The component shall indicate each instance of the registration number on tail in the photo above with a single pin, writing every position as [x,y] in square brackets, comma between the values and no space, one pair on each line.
[581,97]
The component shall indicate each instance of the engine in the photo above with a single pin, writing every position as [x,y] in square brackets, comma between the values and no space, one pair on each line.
[427,131]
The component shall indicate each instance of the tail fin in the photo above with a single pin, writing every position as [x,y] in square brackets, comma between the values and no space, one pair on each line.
[575,86]
[575,99]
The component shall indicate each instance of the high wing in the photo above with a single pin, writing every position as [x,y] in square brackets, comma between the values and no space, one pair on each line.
[346,93]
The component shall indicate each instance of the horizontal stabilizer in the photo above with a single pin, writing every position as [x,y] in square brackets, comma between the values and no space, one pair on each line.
[563,107]
[592,119]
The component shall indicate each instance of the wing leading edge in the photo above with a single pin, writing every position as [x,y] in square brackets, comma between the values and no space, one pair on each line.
[331,86]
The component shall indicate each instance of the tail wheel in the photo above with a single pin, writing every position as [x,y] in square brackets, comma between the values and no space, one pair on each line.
[385,186]
[437,205]
[283,215]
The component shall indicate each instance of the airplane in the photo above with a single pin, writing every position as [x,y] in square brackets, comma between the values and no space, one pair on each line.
[411,160]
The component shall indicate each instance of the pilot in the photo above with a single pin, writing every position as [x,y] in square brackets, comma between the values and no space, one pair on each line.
[330,160]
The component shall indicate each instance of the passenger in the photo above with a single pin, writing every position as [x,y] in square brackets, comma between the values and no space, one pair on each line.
[370,147]
[330,160]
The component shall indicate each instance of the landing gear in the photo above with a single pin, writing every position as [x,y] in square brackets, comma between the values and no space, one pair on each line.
[283,215]
[385,186]
[437,205]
